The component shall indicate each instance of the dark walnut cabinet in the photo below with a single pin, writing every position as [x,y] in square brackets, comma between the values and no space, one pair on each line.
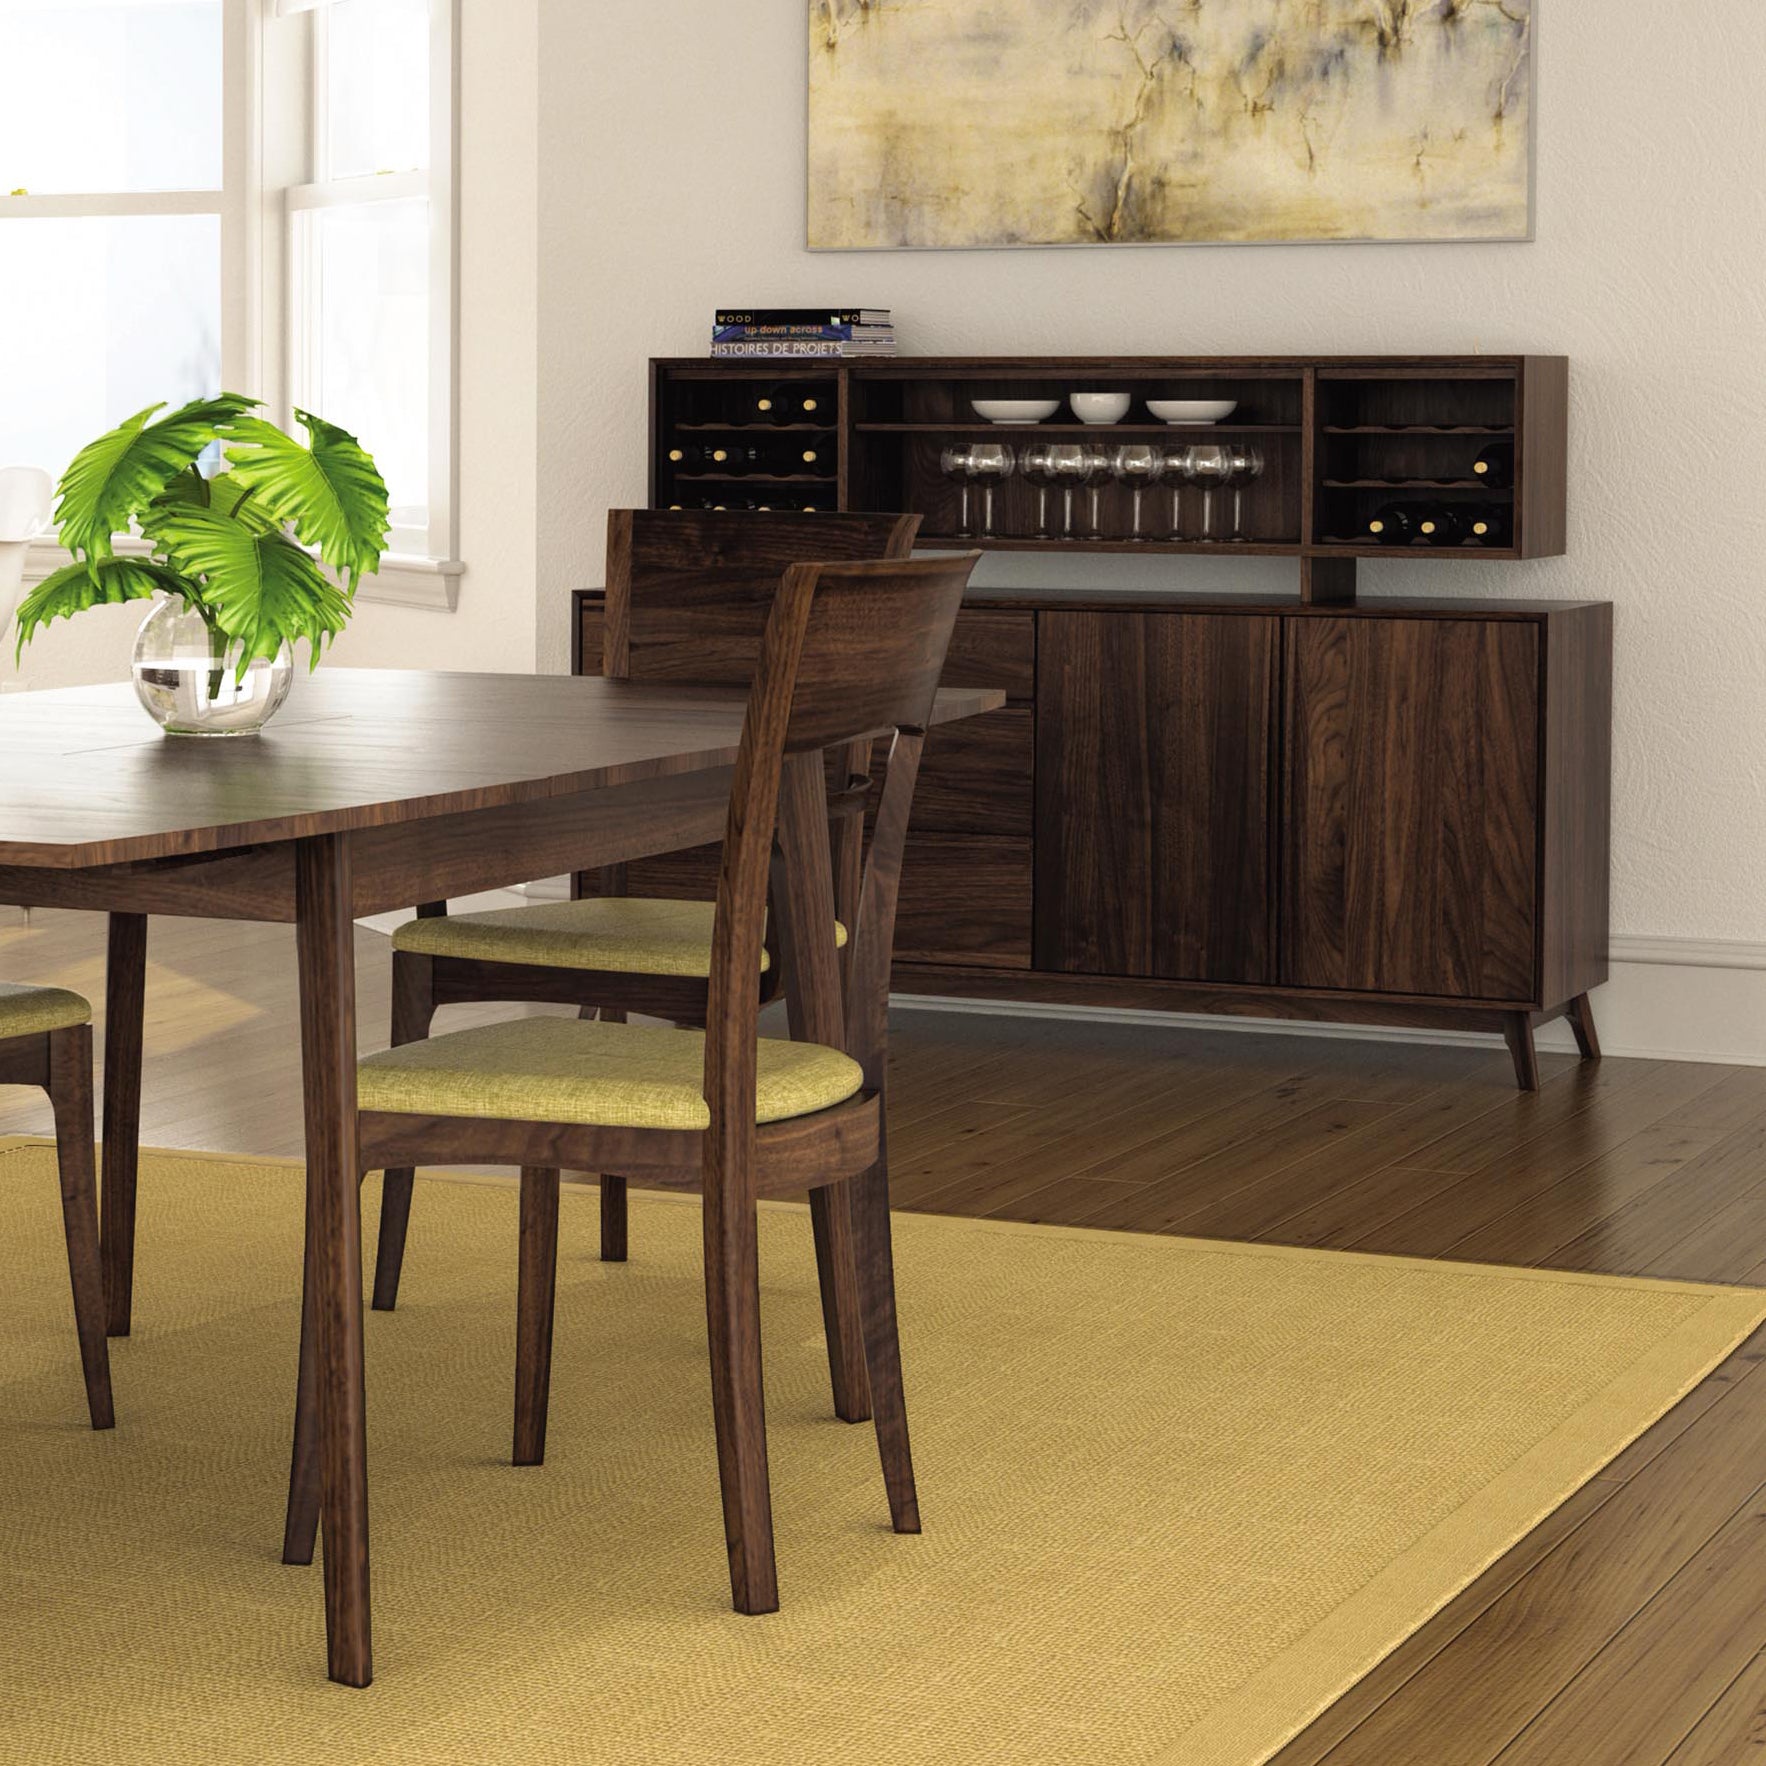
[1386,813]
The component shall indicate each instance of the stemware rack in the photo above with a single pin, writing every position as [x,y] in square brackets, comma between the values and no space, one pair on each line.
[1340,438]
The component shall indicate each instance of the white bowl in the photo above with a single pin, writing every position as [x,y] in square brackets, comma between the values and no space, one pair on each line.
[1099,407]
[1014,410]
[1192,410]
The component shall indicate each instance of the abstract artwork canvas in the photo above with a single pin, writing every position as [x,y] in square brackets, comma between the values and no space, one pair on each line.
[1077,122]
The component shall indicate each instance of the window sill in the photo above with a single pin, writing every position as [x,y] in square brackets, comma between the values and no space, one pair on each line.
[401,581]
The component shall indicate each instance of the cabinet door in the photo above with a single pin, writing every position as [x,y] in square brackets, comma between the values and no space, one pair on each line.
[1411,806]
[1153,760]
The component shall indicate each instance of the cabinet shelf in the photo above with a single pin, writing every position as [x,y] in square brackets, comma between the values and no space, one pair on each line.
[981,427]
[758,428]
[755,478]
[1418,429]
[1329,548]
[1417,484]
[1023,543]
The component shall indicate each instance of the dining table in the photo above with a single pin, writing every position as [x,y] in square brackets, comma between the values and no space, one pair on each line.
[372,790]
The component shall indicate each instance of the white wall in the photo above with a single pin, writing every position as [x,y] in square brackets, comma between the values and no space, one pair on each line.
[672,180]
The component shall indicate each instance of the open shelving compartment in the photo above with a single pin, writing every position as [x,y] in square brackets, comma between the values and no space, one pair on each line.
[1339,438]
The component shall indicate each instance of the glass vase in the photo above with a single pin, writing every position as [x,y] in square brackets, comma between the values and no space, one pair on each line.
[187,676]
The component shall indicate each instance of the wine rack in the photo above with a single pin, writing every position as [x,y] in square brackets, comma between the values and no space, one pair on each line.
[1345,443]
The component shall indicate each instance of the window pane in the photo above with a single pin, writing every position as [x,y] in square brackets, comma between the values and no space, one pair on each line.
[99,317]
[377,87]
[110,95]
[370,328]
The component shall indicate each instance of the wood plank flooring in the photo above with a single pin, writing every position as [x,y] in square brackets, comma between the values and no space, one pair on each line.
[1629,1628]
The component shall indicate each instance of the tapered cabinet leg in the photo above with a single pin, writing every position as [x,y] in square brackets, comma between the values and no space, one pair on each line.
[70,1095]
[1582,1027]
[326,939]
[537,1296]
[732,1304]
[1517,1031]
[876,1277]
[413,1010]
[125,1004]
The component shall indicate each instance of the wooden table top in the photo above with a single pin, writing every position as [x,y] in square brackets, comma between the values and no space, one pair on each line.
[87,779]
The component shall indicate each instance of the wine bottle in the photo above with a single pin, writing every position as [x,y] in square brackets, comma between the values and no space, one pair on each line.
[699,457]
[1489,524]
[1393,524]
[1495,465]
[768,404]
[740,458]
[1442,525]
[811,406]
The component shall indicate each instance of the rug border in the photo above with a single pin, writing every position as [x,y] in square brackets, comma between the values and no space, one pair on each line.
[1312,1673]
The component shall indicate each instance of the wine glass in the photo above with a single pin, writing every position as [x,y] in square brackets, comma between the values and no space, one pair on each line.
[1138,465]
[990,462]
[1212,466]
[1247,465]
[954,463]
[1097,471]
[1071,464]
[1036,465]
[1180,468]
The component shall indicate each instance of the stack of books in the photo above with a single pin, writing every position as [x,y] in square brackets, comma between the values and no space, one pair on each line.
[803,333]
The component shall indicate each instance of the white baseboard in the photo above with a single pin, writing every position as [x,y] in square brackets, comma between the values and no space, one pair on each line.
[1675,999]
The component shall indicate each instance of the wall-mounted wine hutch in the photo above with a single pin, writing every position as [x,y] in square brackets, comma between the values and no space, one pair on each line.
[1391,812]
[1464,455]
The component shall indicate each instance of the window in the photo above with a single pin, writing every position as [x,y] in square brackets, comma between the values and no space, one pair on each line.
[371,254]
[148,150]
[117,213]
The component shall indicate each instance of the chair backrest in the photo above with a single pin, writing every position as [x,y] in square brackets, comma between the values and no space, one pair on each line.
[689,590]
[850,651]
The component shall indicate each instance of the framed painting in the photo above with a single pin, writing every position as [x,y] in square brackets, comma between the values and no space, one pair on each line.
[1118,122]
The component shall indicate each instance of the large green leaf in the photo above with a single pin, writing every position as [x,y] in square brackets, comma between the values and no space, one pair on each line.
[331,492]
[261,587]
[114,478]
[102,582]
[190,490]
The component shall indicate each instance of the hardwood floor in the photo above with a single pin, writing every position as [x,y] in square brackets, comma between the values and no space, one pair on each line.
[1629,1628]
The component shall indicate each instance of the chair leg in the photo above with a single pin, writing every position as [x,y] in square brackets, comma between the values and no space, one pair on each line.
[876,1278]
[533,1325]
[613,1219]
[125,1004]
[413,1010]
[70,1095]
[732,1304]
[614,1206]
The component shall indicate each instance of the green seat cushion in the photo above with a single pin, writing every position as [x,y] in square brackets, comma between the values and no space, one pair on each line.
[30,1011]
[607,1075]
[630,935]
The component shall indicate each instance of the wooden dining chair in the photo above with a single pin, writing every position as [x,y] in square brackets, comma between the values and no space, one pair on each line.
[46,1041]
[850,651]
[688,594]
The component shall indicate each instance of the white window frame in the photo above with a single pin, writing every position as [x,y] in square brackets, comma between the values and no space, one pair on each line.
[430,577]
[235,203]
[259,344]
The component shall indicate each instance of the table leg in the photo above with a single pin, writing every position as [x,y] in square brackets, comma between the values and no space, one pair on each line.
[125,1004]
[326,938]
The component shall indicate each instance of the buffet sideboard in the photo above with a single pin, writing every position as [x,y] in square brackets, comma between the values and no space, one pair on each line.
[1381,812]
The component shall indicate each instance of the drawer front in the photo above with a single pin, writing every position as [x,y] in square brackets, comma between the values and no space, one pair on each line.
[964,900]
[993,650]
[977,776]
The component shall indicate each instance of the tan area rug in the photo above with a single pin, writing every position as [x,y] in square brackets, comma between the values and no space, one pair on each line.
[1178,1495]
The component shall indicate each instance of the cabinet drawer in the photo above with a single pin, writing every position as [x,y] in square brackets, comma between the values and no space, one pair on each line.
[964,900]
[977,776]
[993,650]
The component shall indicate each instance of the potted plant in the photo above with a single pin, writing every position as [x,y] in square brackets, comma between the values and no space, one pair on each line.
[236,559]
